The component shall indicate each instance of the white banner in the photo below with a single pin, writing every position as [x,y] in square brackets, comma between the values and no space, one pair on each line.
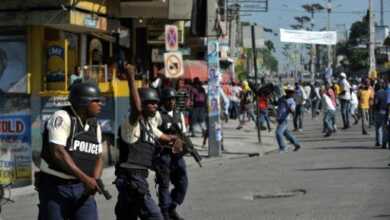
[308,37]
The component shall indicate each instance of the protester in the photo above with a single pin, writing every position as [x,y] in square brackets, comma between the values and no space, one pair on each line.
[364,97]
[199,111]
[380,109]
[315,100]
[345,100]
[354,104]
[246,105]
[286,105]
[329,109]
[299,98]
[235,100]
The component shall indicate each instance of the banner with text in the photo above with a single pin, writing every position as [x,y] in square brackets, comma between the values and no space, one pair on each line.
[308,37]
[15,149]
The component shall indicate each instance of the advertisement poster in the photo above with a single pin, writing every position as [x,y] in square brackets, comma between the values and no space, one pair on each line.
[15,149]
[13,77]
[56,61]
[55,103]
[214,77]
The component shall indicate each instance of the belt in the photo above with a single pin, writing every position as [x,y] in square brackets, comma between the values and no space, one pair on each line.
[59,181]
[132,172]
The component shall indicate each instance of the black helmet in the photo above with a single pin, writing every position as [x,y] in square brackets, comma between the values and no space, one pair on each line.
[168,93]
[82,93]
[149,95]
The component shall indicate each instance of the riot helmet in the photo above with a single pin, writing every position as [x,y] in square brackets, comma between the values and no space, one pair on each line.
[81,94]
[149,95]
[168,93]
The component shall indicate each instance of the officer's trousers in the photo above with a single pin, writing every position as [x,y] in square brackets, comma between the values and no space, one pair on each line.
[61,199]
[134,199]
[171,169]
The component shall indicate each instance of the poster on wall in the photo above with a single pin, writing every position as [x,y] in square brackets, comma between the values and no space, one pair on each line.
[15,149]
[56,61]
[55,103]
[13,77]
[214,76]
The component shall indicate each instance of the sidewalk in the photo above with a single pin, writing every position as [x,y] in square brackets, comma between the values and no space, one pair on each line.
[237,143]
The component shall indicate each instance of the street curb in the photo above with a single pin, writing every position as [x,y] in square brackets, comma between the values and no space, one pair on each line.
[233,151]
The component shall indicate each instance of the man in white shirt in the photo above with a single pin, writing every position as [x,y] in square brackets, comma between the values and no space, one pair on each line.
[329,112]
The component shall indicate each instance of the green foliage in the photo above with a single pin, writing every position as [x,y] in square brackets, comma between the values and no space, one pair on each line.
[240,72]
[387,42]
[357,58]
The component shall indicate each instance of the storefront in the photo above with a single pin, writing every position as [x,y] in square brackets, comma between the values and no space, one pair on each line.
[38,54]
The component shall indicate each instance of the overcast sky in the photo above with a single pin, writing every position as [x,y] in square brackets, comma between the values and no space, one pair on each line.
[282,12]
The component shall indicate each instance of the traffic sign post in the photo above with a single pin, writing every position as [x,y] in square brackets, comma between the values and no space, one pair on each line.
[173,62]
[171,38]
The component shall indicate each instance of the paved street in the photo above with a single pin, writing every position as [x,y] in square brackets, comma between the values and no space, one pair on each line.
[341,177]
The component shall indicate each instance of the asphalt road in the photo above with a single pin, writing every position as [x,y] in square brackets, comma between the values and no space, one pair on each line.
[342,177]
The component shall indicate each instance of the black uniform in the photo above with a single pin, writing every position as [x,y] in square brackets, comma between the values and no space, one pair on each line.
[171,168]
[61,195]
[134,199]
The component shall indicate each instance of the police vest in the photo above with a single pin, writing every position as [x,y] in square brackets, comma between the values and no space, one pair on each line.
[170,124]
[142,152]
[82,146]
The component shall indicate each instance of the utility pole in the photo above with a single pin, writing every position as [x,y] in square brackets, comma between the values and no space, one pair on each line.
[313,50]
[382,14]
[313,8]
[329,8]
[256,78]
[372,71]
[215,129]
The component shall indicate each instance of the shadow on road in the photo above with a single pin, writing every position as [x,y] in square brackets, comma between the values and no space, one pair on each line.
[343,168]
[348,148]
[334,138]
[382,216]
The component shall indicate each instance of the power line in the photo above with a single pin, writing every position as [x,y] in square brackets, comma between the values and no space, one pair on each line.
[324,12]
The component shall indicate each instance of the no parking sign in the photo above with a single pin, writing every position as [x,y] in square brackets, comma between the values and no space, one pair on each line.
[173,62]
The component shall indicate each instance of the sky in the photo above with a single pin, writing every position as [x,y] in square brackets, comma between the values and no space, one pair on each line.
[281,14]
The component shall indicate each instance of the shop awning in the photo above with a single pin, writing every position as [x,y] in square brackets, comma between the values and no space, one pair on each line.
[195,68]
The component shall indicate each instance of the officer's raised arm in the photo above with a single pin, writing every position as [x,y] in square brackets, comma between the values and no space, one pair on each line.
[135,100]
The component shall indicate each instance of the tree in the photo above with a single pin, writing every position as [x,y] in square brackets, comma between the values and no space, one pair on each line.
[387,42]
[270,45]
[356,55]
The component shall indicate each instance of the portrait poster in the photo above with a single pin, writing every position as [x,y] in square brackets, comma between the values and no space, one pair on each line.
[13,74]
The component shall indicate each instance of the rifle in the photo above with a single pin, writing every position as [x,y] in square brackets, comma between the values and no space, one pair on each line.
[188,146]
[102,190]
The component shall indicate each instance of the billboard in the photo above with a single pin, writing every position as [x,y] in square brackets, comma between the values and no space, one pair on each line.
[308,37]
[13,74]
[15,149]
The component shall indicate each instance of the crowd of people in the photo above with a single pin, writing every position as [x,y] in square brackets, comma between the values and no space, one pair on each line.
[151,137]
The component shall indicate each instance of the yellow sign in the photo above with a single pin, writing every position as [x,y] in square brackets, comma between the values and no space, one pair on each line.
[57,63]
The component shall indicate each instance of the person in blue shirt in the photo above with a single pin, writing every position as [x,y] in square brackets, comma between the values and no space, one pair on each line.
[286,105]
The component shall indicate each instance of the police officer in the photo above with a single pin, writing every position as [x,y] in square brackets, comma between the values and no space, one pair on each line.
[140,134]
[71,158]
[171,167]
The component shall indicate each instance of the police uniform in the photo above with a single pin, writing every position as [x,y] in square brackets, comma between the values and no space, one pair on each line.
[171,167]
[62,195]
[134,198]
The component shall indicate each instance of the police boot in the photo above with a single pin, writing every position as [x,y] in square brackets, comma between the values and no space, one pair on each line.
[166,215]
[174,215]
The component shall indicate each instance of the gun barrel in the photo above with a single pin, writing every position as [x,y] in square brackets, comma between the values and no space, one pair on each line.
[105,193]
